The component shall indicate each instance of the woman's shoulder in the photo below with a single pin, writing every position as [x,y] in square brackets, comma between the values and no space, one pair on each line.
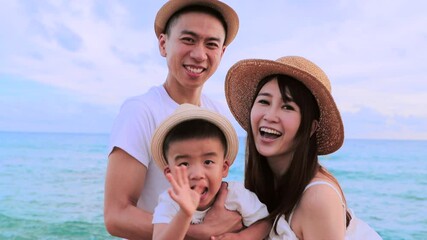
[321,193]
[320,209]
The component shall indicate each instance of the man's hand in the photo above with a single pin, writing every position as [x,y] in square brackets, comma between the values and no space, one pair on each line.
[218,219]
[227,236]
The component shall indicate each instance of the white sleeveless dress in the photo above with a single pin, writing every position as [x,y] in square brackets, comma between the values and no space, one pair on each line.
[357,229]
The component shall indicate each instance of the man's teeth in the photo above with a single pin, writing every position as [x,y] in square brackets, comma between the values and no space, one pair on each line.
[270,131]
[195,70]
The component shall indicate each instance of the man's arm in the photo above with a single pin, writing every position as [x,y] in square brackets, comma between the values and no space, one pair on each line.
[123,185]
[218,219]
[258,230]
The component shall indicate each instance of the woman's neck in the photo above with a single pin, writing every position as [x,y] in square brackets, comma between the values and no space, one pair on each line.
[279,164]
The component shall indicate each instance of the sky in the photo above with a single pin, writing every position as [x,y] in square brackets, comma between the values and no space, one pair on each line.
[67,66]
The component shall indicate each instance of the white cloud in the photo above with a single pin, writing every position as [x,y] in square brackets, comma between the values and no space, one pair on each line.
[109,63]
[373,51]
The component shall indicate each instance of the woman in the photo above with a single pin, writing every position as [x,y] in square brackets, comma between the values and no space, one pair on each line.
[290,116]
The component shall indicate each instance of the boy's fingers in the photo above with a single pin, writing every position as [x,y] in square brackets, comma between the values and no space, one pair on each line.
[184,175]
[170,179]
[180,175]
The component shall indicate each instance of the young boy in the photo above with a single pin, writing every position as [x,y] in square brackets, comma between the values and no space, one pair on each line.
[196,147]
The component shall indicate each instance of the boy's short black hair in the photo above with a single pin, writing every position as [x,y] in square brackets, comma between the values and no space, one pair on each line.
[193,129]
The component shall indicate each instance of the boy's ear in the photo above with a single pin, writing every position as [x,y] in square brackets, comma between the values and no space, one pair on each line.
[166,170]
[225,168]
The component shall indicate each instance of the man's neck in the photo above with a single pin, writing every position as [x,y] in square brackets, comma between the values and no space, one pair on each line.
[183,95]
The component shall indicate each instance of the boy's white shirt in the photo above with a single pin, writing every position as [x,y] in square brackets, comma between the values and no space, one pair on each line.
[238,199]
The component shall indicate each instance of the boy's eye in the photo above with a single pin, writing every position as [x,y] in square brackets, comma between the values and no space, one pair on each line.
[185,164]
[208,162]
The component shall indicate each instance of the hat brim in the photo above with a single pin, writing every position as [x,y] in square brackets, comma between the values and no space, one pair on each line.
[172,6]
[190,112]
[249,72]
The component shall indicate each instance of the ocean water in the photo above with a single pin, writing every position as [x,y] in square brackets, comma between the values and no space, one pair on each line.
[51,185]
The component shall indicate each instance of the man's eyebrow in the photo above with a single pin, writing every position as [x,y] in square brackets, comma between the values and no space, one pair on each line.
[198,36]
[189,33]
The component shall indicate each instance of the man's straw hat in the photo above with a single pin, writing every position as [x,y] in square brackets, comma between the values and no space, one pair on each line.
[242,80]
[172,6]
[191,112]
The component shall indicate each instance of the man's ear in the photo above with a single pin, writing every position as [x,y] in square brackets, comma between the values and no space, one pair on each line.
[162,44]
[166,170]
[314,126]
[223,50]
[225,168]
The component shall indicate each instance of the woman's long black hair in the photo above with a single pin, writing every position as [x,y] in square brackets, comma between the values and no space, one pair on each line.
[281,195]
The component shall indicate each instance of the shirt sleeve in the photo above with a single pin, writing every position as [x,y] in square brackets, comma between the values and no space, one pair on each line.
[246,203]
[165,210]
[132,130]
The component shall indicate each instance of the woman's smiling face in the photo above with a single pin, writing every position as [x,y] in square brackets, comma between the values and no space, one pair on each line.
[274,122]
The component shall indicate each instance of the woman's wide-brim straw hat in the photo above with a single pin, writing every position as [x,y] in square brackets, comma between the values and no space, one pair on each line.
[187,112]
[241,84]
[173,6]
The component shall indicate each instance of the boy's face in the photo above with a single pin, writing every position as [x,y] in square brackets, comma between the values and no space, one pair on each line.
[206,166]
[193,49]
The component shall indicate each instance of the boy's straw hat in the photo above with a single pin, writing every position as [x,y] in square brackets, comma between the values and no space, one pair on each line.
[172,6]
[190,112]
[242,80]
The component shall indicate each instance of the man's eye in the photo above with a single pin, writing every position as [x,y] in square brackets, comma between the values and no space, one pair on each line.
[187,40]
[212,45]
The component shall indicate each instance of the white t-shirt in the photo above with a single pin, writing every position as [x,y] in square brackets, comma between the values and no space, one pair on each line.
[134,127]
[238,199]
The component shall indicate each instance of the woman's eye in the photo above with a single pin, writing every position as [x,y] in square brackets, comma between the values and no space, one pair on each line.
[262,101]
[288,107]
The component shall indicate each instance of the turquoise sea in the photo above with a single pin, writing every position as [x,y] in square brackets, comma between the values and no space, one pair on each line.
[51,185]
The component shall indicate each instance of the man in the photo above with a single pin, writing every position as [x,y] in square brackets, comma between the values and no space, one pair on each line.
[192,36]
